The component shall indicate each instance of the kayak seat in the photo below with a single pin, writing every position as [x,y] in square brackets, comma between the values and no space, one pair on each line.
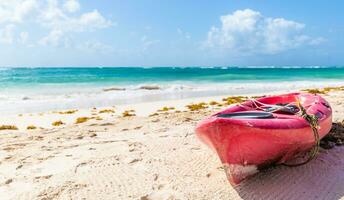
[288,110]
[247,115]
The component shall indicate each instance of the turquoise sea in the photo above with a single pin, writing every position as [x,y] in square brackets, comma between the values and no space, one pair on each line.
[40,89]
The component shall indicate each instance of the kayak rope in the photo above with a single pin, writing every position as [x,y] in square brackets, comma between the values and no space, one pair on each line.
[311,119]
[274,108]
[313,122]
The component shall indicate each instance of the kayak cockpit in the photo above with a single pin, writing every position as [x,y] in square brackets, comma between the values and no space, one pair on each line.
[247,115]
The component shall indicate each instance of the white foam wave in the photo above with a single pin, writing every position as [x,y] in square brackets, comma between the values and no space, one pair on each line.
[57,98]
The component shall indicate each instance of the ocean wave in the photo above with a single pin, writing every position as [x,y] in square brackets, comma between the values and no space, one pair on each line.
[151,87]
[5,68]
[205,86]
[29,100]
[288,67]
[249,67]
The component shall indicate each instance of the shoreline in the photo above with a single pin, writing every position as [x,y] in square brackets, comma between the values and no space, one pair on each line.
[44,120]
[64,98]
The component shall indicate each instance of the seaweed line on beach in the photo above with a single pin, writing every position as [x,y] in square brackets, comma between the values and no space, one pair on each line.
[335,137]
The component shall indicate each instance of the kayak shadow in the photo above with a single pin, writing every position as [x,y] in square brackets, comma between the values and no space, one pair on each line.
[321,178]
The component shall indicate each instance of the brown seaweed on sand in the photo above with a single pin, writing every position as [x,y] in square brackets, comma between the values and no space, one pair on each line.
[82,120]
[57,123]
[197,106]
[214,103]
[315,91]
[98,118]
[323,90]
[68,112]
[154,114]
[31,127]
[128,113]
[107,111]
[165,109]
[8,127]
[234,99]
[335,137]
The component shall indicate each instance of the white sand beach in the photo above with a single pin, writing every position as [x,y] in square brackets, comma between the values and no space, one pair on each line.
[109,156]
[118,100]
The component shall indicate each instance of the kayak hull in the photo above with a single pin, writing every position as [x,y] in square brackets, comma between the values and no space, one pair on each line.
[247,145]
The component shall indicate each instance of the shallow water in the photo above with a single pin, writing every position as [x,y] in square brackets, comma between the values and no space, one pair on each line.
[40,89]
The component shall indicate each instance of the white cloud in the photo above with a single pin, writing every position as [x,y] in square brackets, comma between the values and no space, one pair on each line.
[248,31]
[51,12]
[24,9]
[7,34]
[16,10]
[86,22]
[53,39]
[91,21]
[72,6]
[57,16]
[61,24]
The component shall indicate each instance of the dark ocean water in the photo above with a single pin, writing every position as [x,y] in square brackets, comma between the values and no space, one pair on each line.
[21,77]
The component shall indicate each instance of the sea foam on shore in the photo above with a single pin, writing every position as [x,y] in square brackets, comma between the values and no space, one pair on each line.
[28,100]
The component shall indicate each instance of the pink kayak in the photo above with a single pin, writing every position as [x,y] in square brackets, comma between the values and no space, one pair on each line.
[269,130]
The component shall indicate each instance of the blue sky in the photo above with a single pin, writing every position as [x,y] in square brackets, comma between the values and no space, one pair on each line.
[170,33]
